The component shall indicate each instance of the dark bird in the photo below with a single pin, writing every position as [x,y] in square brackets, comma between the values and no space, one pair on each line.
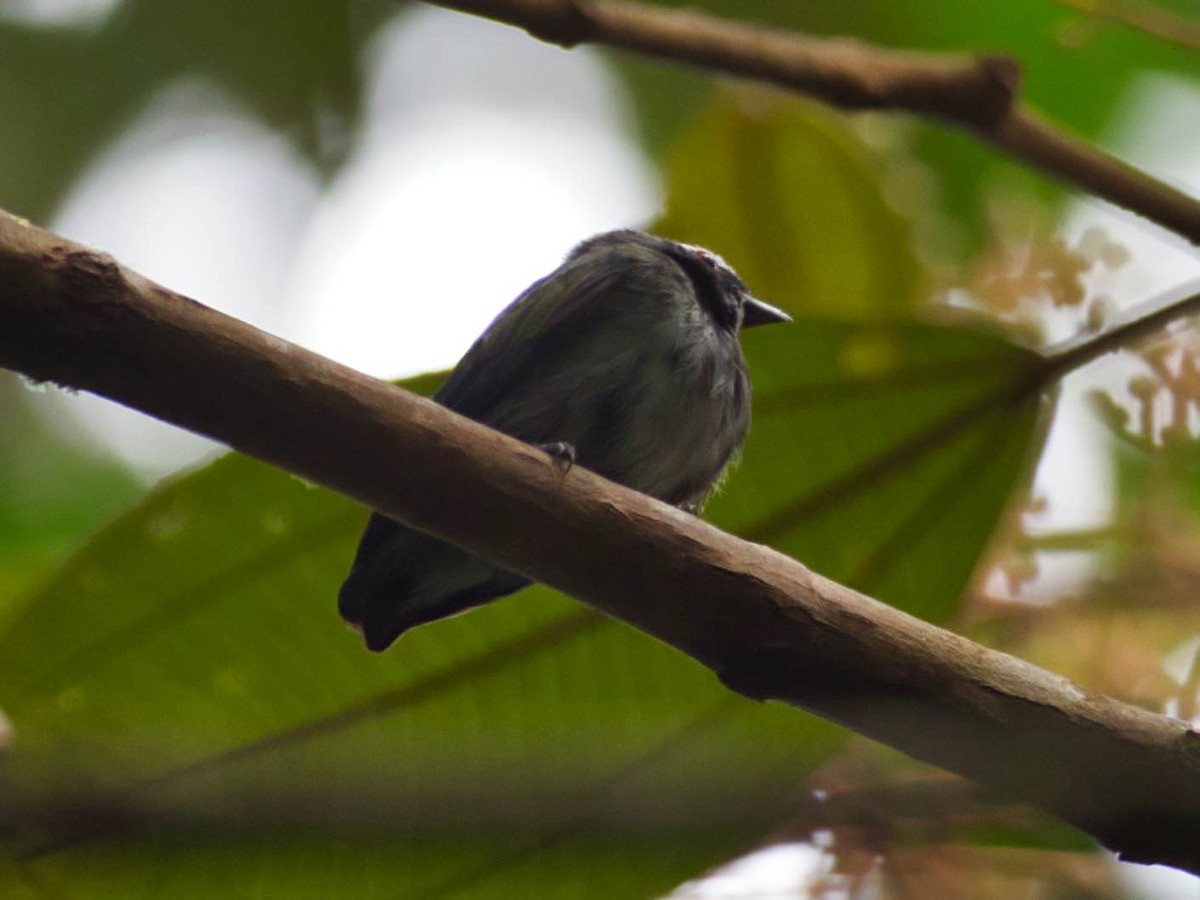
[624,359]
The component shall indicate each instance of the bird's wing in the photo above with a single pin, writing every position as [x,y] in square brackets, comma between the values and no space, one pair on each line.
[532,335]
[402,577]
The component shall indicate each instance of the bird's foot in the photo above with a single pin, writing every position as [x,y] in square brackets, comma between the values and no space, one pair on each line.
[562,453]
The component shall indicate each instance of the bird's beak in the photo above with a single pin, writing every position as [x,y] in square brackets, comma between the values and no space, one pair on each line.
[755,312]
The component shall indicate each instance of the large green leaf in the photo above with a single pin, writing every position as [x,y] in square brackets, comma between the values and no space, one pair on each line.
[883,456]
[194,646]
[52,492]
[193,649]
[795,203]
[869,426]
[191,717]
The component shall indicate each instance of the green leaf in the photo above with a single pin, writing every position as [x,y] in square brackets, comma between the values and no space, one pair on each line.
[52,493]
[795,203]
[883,457]
[195,644]
[883,449]
[190,660]
[188,706]
[193,649]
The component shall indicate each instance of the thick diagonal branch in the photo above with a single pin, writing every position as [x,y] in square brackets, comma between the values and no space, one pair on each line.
[979,93]
[768,626]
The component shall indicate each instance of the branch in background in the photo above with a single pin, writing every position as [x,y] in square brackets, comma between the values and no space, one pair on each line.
[978,93]
[844,72]
[1145,320]
[766,625]
[1148,18]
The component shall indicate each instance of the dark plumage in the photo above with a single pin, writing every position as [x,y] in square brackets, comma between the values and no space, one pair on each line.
[628,354]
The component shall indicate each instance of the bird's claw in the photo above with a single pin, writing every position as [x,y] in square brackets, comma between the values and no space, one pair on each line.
[561,452]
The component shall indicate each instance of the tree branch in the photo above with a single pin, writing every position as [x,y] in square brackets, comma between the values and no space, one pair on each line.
[844,72]
[766,625]
[1136,325]
[978,93]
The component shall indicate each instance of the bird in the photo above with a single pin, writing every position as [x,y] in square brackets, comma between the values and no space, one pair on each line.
[624,360]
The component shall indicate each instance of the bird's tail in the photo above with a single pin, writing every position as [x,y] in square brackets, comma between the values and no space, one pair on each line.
[402,578]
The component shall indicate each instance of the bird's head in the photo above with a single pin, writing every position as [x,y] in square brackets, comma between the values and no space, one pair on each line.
[719,290]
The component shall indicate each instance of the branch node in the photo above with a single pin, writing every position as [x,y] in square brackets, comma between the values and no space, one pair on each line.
[88,273]
[993,93]
[1003,75]
[1005,71]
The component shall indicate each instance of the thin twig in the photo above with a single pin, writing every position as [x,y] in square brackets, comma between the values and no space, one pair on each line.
[1029,137]
[1147,319]
[1148,18]
[1080,540]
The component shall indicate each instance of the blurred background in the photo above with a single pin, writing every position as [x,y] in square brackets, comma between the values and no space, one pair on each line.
[375,181]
